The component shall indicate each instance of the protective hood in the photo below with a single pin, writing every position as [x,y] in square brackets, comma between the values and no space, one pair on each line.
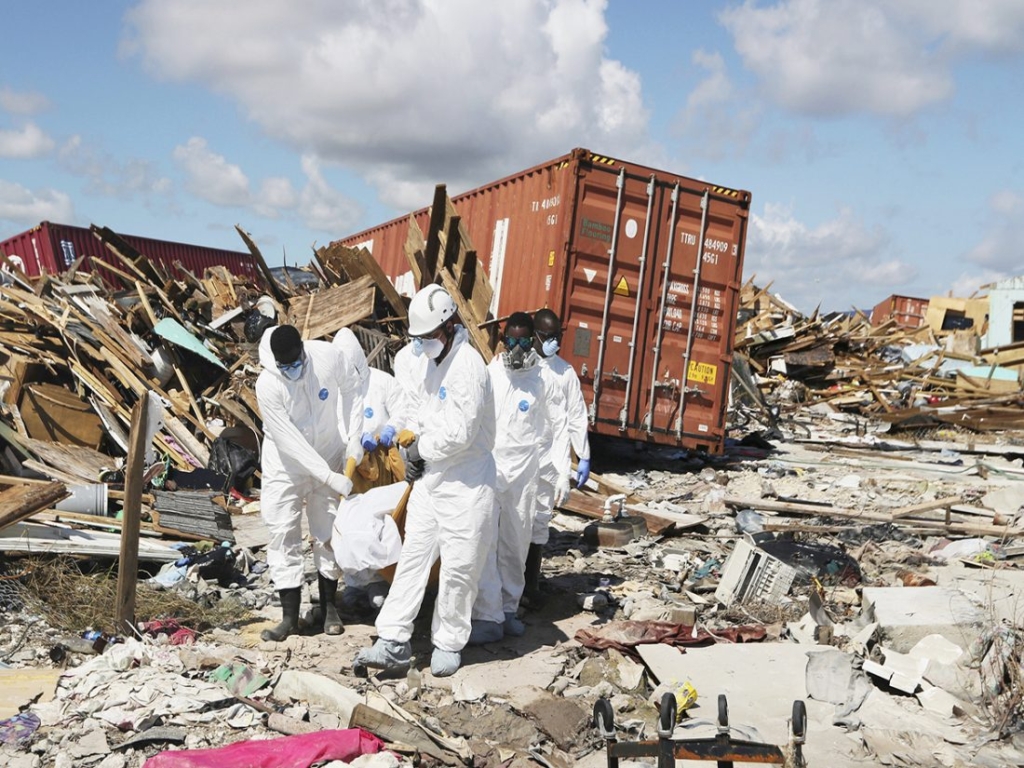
[347,342]
[267,359]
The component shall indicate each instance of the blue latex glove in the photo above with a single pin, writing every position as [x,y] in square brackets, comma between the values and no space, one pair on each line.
[582,472]
[367,442]
[387,436]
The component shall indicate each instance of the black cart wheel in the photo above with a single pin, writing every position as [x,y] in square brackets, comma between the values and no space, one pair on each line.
[604,716]
[799,719]
[723,710]
[667,719]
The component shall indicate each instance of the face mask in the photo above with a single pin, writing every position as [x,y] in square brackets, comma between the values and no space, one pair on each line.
[432,348]
[292,373]
[514,358]
[549,347]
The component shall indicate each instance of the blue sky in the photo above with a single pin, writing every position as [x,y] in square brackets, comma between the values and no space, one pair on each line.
[882,140]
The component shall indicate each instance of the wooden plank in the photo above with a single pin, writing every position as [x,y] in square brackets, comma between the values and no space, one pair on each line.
[925,506]
[432,250]
[815,510]
[480,339]
[360,262]
[395,731]
[23,501]
[320,314]
[128,562]
[272,285]
[415,252]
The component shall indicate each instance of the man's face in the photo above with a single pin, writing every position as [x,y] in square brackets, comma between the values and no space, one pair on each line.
[517,341]
[546,329]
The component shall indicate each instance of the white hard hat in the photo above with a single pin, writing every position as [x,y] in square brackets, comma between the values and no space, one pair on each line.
[265,306]
[429,309]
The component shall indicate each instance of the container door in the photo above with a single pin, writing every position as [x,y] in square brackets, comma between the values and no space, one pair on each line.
[652,291]
[692,317]
[604,313]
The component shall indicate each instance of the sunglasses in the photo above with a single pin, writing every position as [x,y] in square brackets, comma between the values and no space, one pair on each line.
[525,342]
[545,336]
[294,366]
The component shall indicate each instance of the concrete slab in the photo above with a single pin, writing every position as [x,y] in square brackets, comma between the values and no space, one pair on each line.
[999,591]
[907,614]
[761,681]
[20,686]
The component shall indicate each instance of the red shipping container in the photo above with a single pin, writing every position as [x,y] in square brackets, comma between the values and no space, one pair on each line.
[907,311]
[643,266]
[52,248]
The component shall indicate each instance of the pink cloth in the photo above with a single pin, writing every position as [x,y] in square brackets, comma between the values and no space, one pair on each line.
[299,751]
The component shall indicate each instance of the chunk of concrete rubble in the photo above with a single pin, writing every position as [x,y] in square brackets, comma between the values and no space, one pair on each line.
[559,718]
[319,691]
[907,614]
[90,744]
[615,669]
[936,700]
[901,671]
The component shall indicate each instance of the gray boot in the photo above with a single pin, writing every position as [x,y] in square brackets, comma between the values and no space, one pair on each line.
[290,600]
[445,663]
[485,632]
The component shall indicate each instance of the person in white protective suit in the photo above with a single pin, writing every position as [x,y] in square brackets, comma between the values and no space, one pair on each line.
[298,392]
[523,423]
[451,508]
[382,402]
[569,428]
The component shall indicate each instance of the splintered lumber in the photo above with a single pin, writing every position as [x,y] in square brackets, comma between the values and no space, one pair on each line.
[320,314]
[23,501]
[592,506]
[926,506]
[193,512]
[820,510]
[128,563]
[272,285]
[395,731]
[357,263]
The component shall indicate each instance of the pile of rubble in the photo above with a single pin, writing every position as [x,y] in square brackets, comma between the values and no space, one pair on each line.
[841,586]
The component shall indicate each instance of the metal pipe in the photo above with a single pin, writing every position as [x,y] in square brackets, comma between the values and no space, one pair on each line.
[649,419]
[621,184]
[704,204]
[636,315]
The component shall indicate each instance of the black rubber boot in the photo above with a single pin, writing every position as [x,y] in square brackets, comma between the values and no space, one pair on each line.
[290,599]
[332,622]
[531,593]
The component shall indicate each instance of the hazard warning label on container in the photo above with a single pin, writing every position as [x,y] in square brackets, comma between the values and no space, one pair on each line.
[622,288]
[705,373]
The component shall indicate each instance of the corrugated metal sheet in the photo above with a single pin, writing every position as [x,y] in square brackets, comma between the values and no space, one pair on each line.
[644,268]
[52,248]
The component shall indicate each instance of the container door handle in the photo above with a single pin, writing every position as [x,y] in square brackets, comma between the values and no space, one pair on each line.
[663,308]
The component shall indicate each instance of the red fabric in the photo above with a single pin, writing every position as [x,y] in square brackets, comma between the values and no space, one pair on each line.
[299,751]
[624,636]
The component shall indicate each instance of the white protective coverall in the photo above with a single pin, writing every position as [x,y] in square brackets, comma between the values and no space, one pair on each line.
[451,508]
[380,396]
[410,372]
[523,423]
[303,446]
[569,427]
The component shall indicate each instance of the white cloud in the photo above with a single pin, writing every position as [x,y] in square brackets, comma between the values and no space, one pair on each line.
[209,176]
[407,91]
[835,57]
[715,122]
[838,264]
[276,194]
[26,143]
[24,206]
[322,207]
[106,175]
[19,103]
[1001,250]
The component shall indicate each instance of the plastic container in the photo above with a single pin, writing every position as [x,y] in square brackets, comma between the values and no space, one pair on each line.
[87,499]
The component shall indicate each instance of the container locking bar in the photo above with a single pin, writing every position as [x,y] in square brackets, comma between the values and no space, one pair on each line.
[620,183]
[694,299]
[636,315]
[663,308]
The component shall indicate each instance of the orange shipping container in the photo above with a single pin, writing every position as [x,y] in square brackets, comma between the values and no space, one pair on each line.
[644,268]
